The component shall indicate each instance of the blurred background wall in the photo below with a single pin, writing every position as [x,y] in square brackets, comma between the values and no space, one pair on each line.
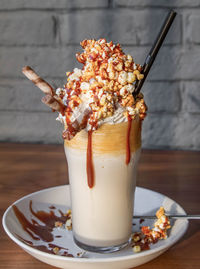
[46,36]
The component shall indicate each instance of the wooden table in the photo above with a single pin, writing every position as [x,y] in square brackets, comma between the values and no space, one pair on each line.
[26,168]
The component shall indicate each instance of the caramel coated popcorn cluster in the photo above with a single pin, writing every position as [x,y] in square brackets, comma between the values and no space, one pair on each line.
[105,83]
[68,223]
[141,240]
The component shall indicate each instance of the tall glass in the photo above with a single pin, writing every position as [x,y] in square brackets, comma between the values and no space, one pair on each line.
[102,215]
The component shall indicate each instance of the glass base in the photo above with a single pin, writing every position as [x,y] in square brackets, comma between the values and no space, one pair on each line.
[101,249]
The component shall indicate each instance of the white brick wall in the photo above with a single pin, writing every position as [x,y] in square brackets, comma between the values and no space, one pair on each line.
[46,36]
[52,4]
[47,61]
[22,28]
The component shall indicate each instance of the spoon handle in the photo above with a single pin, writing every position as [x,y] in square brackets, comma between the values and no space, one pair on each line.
[170,216]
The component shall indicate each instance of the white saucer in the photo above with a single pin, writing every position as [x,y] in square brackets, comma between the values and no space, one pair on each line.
[147,202]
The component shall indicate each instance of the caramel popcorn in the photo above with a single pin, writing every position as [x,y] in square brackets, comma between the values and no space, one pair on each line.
[136,248]
[58,224]
[105,83]
[56,250]
[68,224]
[141,240]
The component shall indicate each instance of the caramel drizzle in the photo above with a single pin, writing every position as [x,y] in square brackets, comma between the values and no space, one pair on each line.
[128,151]
[36,230]
[42,232]
[90,168]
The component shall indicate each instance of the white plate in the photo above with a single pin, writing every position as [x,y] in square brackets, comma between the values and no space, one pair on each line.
[147,202]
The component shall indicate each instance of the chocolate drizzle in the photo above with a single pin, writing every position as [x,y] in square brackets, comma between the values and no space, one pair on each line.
[48,218]
[36,230]
[141,220]
[50,248]
[128,151]
[42,232]
[90,168]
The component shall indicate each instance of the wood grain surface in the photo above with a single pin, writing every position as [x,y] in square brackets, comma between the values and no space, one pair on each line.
[26,168]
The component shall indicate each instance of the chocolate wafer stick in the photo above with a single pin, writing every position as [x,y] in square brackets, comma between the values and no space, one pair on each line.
[51,102]
[38,81]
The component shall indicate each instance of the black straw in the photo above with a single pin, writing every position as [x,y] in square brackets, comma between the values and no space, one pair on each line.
[154,50]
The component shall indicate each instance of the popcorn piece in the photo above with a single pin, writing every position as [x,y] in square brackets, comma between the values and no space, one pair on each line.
[58,224]
[80,58]
[122,78]
[119,67]
[103,73]
[56,250]
[69,212]
[131,77]
[128,101]
[160,212]
[136,249]
[85,86]
[68,224]
[136,237]
[111,75]
[129,58]
[139,76]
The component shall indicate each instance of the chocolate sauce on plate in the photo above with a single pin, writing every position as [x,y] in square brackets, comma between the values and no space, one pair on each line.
[42,232]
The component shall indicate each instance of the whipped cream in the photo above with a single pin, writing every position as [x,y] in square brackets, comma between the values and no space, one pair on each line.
[117,117]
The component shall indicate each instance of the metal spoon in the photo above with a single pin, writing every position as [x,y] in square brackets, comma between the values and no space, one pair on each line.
[170,216]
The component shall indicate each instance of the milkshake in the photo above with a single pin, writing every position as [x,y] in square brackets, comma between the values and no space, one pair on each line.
[102,120]
[102,144]
[102,215]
